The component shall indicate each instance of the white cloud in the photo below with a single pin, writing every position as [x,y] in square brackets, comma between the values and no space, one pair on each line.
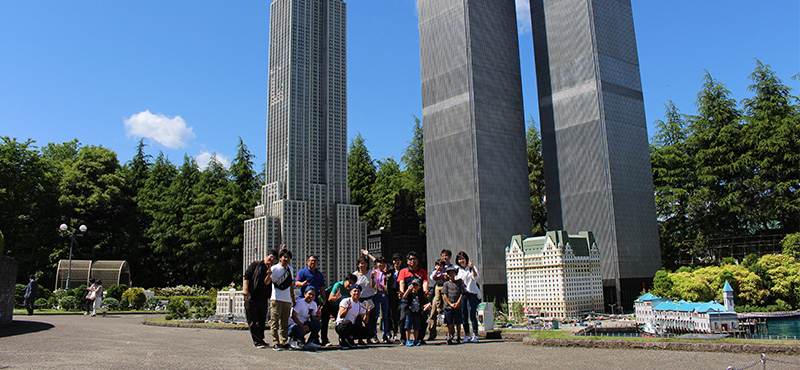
[204,158]
[523,16]
[170,132]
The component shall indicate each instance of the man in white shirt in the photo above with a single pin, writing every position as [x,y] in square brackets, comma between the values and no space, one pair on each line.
[351,320]
[305,320]
[282,300]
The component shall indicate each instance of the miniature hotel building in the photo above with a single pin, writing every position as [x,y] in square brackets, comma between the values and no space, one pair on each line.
[556,274]
[661,314]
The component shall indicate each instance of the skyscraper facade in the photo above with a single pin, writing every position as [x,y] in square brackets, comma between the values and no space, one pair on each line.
[305,204]
[476,190]
[594,136]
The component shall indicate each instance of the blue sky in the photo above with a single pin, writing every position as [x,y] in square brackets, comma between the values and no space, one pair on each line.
[190,76]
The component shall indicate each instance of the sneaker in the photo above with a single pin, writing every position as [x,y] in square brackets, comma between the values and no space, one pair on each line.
[325,343]
[261,345]
[449,341]
[361,342]
[311,346]
[85,313]
[293,344]
[417,343]
[374,340]
[409,343]
[343,344]
[277,347]
[474,339]
[285,346]
[458,341]
[104,313]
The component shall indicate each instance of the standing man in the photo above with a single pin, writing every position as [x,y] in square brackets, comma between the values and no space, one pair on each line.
[282,300]
[405,277]
[310,276]
[257,291]
[393,289]
[31,293]
[437,305]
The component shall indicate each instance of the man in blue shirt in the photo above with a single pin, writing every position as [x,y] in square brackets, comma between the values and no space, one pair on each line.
[31,292]
[310,276]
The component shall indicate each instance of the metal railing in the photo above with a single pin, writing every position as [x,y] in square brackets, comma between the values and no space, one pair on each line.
[763,361]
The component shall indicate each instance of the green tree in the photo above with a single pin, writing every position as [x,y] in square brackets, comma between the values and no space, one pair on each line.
[536,179]
[672,182]
[93,192]
[790,245]
[715,144]
[361,175]
[413,160]
[388,182]
[28,206]
[662,284]
[772,140]
[136,172]
[154,202]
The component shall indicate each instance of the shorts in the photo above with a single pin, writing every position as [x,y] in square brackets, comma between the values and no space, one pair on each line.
[413,321]
[453,317]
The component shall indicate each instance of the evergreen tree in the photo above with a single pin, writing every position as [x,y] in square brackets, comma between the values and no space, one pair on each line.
[772,140]
[153,201]
[672,180]
[360,178]
[413,160]
[387,183]
[536,180]
[715,145]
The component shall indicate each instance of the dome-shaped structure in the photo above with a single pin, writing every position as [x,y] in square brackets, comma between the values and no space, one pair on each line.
[110,272]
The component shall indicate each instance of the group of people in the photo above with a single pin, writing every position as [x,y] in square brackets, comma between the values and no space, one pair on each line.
[407,300]
[92,300]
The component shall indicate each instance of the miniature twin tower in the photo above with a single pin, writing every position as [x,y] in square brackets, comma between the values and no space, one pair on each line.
[596,157]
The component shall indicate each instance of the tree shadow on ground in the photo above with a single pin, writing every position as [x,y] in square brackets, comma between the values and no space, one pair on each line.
[19,327]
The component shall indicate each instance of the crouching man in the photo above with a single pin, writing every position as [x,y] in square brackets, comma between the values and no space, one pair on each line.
[352,319]
[305,320]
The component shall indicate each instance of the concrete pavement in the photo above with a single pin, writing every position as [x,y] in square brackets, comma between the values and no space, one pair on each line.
[122,342]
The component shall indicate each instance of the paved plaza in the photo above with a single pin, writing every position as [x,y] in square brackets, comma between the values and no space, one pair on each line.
[122,342]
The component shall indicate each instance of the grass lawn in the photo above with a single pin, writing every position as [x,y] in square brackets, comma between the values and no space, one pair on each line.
[38,311]
[563,334]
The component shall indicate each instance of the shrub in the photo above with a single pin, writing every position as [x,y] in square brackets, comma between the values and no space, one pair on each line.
[41,303]
[19,292]
[79,292]
[116,291]
[134,298]
[152,303]
[68,303]
[180,290]
[44,292]
[52,301]
[111,304]
[177,308]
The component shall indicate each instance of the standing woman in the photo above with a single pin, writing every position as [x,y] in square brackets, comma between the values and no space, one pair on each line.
[89,299]
[469,276]
[366,279]
[98,298]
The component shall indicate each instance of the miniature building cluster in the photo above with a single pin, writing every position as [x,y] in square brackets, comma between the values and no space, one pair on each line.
[657,315]
[556,274]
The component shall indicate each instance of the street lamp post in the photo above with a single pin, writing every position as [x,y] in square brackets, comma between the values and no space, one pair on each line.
[72,236]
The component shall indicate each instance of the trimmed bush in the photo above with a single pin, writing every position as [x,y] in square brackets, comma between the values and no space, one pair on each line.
[110,304]
[19,292]
[152,303]
[177,309]
[41,303]
[68,303]
[116,291]
[134,298]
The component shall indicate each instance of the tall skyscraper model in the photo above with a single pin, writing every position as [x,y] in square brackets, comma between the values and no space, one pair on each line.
[476,189]
[594,136]
[305,204]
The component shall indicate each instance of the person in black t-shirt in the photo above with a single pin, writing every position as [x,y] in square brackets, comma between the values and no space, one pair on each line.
[256,295]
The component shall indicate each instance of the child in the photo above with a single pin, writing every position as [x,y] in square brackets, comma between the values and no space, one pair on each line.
[439,276]
[415,298]
[452,292]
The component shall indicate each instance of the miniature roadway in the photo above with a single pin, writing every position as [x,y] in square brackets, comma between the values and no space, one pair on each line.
[123,342]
